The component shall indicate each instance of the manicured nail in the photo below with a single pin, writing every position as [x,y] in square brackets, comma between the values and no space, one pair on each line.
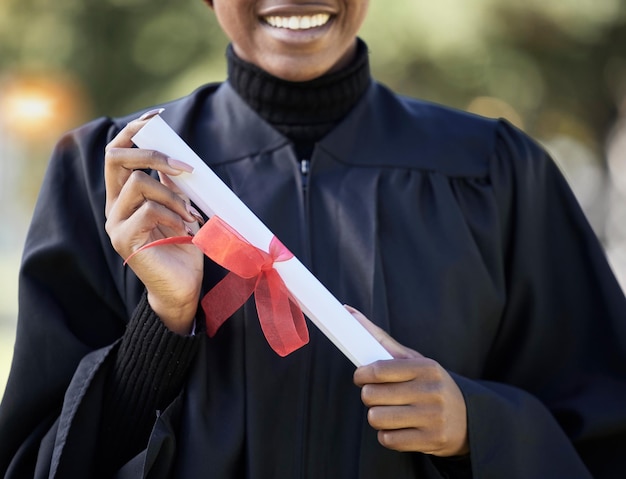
[195,213]
[179,165]
[149,114]
[188,229]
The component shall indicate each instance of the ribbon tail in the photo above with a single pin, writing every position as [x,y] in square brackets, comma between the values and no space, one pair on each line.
[281,319]
[224,299]
[161,242]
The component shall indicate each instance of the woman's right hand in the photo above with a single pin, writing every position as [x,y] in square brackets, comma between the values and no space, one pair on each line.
[141,209]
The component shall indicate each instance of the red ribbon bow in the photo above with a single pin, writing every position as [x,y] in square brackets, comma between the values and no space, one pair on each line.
[251,270]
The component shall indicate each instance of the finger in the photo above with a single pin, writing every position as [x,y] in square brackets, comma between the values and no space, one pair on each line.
[124,138]
[150,222]
[166,181]
[155,220]
[140,188]
[399,370]
[141,159]
[402,417]
[121,160]
[119,163]
[418,391]
[198,218]
[394,348]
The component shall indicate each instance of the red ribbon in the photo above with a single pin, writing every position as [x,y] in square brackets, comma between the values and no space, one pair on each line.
[251,270]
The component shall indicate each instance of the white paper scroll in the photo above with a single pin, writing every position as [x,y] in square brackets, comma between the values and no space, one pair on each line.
[212,196]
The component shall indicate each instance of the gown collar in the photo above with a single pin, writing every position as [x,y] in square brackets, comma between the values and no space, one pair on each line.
[216,121]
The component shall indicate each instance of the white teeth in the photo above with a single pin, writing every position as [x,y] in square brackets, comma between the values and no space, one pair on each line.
[305,22]
[298,22]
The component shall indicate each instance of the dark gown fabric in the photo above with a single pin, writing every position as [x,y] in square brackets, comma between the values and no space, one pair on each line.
[456,234]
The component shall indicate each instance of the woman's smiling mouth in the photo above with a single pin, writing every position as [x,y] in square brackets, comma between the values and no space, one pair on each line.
[297,22]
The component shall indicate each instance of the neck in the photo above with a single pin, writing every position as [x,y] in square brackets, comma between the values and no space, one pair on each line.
[302,111]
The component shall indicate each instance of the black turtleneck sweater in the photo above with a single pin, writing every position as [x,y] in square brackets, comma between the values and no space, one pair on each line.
[151,362]
[302,111]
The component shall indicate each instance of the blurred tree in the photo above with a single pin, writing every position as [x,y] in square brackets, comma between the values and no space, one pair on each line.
[547,60]
[125,53]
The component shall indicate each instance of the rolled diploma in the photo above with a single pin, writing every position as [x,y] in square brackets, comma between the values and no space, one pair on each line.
[213,197]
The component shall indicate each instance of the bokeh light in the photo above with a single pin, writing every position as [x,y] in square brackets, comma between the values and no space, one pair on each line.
[42,106]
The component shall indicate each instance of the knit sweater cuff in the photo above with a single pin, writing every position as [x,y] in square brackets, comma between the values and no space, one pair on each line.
[150,369]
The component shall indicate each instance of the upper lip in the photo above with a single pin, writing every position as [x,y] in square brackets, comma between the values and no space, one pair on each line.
[296,9]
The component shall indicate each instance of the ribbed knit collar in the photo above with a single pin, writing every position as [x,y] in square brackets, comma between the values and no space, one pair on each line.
[302,111]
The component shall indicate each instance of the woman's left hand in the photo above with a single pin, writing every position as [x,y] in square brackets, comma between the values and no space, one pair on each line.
[413,402]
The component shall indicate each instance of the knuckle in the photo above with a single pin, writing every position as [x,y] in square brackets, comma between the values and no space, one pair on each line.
[429,363]
[111,153]
[137,177]
[438,374]
[109,147]
[438,440]
[108,227]
[108,206]
[439,423]
[175,199]
[433,369]
[150,209]
[439,400]
[113,236]
[378,370]
[153,155]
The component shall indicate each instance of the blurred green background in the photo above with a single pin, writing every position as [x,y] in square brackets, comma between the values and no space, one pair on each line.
[556,68]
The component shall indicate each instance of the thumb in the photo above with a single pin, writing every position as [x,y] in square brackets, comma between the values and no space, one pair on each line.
[393,347]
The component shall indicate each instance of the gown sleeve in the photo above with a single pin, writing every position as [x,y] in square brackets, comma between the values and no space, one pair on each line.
[82,333]
[552,399]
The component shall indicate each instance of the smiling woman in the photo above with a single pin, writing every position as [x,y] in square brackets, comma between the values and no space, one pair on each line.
[455,234]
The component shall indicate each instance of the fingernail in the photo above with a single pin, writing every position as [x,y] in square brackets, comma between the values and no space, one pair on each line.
[151,113]
[188,229]
[179,165]
[196,214]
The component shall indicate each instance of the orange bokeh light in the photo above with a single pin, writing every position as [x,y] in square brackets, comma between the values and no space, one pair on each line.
[40,107]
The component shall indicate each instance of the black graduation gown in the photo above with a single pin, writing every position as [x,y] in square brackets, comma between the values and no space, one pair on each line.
[454,233]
